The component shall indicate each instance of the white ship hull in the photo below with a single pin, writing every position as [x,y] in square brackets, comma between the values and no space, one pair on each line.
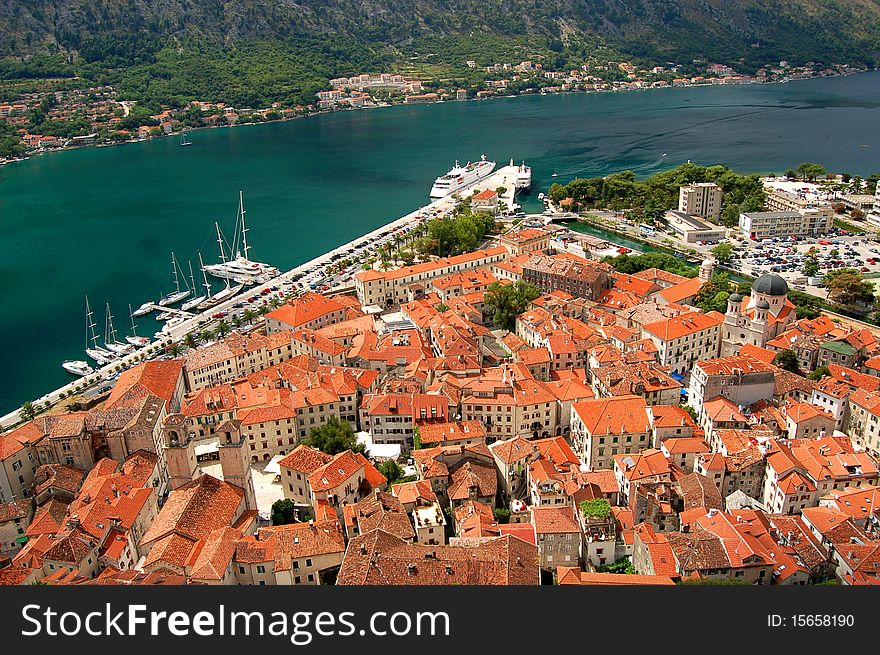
[138,342]
[119,348]
[219,297]
[460,177]
[191,304]
[100,355]
[143,310]
[172,298]
[77,367]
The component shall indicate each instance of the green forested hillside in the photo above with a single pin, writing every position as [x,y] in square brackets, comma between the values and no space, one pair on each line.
[171,48]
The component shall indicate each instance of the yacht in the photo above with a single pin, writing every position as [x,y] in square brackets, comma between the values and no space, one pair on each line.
[100,355]
[523,178]
[460,176]
[177,295]
[193,302]
[144,309]
[133,338]
[225,293]
[184,141]
[77,367]
[240,268]
[110,341]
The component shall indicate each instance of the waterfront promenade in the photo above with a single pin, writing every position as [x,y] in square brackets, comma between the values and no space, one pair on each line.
[501,177]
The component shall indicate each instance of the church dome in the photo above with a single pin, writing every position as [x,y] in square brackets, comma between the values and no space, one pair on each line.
[770,284]
[735,297]
[762,304]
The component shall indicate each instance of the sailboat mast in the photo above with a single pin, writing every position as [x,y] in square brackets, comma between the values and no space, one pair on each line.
[243,226]
[133,327]
[90,326]
[220,241]
[192,280]
[109,331]
[174,270]
[204,275]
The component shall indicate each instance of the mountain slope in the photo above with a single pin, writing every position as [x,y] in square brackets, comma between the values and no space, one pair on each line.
[721,30]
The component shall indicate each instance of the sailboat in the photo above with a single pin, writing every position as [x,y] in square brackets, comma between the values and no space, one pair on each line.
[100,355]
[110,341]
[133,338]
[224,294]
[177,295]
[193,302]
[183,140]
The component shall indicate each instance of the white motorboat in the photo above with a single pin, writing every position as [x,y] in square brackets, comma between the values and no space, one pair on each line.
[77,367]
[144,309]
[178,294]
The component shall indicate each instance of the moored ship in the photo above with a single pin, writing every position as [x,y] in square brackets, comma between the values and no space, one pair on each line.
[461,176]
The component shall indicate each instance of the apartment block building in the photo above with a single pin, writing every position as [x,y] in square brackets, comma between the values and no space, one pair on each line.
[803,222]
[701,199]
[389,288]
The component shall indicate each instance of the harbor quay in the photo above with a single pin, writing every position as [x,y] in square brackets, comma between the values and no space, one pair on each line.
[502,177]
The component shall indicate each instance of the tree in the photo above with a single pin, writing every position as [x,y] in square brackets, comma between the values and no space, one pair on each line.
[502,514]
[622,566]
[819,373]
[222,329]
[690,410]
[723,252]
[730,215]
[283,512]
[391,470]
[857,214]
[28,411]
[249,315]
[810,171]
[509,301]
[848,288]
[834,254]
[787,360]
[811,265]
[189,340]
[713,295]
[334,437]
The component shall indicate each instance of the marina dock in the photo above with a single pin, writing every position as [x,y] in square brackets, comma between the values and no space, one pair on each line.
[502,177]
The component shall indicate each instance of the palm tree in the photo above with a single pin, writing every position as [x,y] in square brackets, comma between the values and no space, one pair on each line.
[222,329]
[275,302]
[249,315]
[175,349]
[206,335]
[189,341]
[236,321]
[263,310]
[28,411]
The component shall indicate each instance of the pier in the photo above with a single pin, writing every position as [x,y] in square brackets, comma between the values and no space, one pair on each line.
[502,177]
[170,310]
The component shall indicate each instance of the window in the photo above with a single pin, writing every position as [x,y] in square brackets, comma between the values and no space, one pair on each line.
[261,568]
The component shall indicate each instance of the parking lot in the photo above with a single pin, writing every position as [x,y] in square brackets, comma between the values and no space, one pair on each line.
[787,256]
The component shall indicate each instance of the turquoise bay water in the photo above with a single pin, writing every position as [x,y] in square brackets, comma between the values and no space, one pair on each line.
[103,221]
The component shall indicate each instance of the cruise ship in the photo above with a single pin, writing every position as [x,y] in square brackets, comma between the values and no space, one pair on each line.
[523,176]
[461,176]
